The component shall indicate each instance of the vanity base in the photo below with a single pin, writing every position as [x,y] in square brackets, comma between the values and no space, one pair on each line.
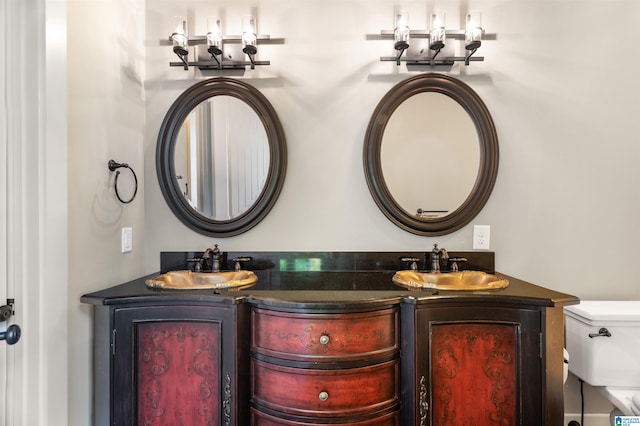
[329,347]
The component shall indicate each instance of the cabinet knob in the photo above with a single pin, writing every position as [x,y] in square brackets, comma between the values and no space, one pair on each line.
[324,339]
[323,396]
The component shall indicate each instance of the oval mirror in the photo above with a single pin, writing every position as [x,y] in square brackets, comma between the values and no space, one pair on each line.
[431,154]
[221,157]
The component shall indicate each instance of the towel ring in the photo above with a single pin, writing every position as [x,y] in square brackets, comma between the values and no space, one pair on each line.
[113,166]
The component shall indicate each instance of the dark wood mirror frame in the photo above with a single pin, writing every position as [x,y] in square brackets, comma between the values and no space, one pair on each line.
[487,170]
[165,149]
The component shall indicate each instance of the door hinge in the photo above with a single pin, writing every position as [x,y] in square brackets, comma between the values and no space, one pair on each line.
[113,341]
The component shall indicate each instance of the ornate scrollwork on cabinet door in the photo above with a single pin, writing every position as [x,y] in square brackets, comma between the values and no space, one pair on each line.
[423,404]
[226,402]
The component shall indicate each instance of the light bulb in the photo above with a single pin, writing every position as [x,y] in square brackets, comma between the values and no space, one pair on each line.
[249,38]
[214,36]
[437,35]
[401,32]
[179,36]
[473,32]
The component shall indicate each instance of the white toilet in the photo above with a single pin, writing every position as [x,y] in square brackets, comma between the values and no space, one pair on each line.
[603,338]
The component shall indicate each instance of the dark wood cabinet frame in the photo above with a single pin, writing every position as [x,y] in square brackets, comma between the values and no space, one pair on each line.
[489,154]
[165,149]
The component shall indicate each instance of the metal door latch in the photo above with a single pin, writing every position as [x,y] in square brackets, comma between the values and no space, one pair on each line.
[12,335]
[7,310]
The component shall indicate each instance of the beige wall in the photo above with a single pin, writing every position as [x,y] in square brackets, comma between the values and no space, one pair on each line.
[105,121]
[562,92]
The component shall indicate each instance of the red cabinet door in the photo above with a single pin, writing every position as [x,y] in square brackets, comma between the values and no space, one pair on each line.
[176,364]
[178,372]
[474,376]
[477,365]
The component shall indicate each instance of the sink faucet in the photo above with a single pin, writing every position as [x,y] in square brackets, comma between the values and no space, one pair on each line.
[214,256]
[436,256]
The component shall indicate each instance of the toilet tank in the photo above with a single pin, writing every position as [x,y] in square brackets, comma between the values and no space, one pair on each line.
[602,360]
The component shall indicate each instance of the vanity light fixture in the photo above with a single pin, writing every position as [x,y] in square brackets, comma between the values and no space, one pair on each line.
[249,38]
[401,35]
[438,36]
[215,40]
[180,40]
[472,34]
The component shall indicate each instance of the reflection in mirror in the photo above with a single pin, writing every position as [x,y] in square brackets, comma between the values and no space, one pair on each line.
[222,157]
[430,155]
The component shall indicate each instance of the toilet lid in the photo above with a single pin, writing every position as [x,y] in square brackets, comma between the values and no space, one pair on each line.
[606,310]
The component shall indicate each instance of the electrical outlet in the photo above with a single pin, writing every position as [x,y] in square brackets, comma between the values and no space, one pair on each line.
[127,240]
[481,237]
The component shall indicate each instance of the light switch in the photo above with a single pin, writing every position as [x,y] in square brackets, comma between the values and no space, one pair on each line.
[127,240]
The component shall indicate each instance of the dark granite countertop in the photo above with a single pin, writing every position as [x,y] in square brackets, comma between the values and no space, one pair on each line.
[308,280]
[322,289]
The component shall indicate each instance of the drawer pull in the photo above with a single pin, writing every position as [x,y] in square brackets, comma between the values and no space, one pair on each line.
[323,396]
[324,339]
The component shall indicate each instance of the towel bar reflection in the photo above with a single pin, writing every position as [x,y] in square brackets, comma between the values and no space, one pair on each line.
[114,166]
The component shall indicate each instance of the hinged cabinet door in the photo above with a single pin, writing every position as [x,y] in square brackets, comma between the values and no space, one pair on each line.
[479,365]
[174,365]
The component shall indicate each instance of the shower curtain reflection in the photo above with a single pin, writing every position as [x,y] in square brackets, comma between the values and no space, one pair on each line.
[222,157]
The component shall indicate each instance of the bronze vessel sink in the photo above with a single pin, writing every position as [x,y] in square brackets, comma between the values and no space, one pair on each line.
[462,280]
[188,280]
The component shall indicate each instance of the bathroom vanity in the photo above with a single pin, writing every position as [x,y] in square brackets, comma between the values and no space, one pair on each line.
[341,344]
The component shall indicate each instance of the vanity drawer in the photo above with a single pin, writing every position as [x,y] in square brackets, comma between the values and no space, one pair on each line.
[325,393]
[325,337]
[259,418]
